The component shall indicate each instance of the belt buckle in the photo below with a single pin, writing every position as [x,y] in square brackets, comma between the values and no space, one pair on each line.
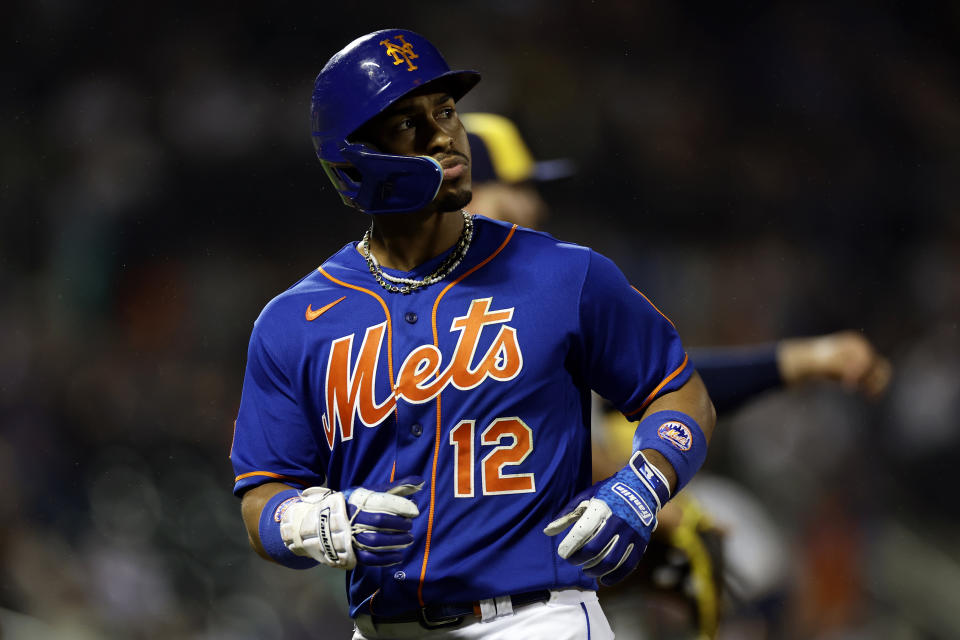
[441,623]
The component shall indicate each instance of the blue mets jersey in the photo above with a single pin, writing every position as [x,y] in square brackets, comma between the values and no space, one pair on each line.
[479,384]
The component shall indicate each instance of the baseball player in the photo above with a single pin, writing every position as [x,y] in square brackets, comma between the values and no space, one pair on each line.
[416,411]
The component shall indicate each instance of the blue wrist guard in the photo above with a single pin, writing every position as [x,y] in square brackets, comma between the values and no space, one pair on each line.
[269,531]
[678,438]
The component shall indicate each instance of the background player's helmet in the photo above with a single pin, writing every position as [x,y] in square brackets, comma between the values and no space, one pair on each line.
[498,153]
[359,82]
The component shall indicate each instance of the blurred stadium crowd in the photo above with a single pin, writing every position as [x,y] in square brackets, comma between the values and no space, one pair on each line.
[763,171]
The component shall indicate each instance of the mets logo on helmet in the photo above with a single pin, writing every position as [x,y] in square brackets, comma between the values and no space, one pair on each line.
[402,52]
[677,434]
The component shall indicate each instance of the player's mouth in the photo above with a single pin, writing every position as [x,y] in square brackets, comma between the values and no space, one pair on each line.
[453,167]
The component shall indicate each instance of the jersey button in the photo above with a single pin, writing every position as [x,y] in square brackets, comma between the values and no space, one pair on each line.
[416,429]
[410,317]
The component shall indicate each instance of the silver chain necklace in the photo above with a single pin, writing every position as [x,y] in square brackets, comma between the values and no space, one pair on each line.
[409,285]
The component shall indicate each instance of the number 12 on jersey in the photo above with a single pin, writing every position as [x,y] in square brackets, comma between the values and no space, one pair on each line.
[493,480]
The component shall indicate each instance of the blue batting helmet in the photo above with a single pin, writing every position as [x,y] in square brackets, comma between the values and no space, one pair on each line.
[359,82]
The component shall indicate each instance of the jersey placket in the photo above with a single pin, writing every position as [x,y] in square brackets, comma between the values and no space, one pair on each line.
[411,330]
[415,422]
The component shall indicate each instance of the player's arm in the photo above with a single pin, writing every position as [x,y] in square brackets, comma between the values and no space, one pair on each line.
[633,356]
[274,439]
[251,508]
[690,400]
[734,375]
[611,522]
[300,529]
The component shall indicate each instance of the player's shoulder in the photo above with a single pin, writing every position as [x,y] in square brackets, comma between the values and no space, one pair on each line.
[557,263]
[528,243]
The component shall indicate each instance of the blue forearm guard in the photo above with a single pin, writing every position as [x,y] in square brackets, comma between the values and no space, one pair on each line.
[269,531]
[677,437]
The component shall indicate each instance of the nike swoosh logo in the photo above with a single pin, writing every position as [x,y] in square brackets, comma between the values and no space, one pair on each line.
[313,315]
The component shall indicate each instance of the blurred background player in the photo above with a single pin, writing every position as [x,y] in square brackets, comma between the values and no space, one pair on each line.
[697,560]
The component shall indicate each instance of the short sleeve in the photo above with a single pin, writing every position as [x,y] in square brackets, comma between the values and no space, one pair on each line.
[632,353]
[273,441]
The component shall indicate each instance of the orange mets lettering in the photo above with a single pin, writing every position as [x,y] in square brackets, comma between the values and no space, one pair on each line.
[419,366]
[470,327]
[350,394]
[350,390]
[402,52]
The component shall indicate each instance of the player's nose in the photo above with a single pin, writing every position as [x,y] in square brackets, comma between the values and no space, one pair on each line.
[439,140]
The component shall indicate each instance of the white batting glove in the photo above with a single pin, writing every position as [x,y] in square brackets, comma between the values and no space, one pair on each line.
[318,526]
[339,529]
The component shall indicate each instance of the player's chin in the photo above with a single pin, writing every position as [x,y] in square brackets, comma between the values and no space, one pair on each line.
[452,198]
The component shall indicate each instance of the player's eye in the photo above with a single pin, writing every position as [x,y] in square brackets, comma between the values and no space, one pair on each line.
[405,124]
[447,112]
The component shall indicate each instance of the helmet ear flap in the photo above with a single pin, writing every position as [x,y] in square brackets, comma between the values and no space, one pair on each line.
[389,183]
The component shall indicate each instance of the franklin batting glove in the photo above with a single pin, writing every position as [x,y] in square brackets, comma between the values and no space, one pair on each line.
[612,521]
[339,529]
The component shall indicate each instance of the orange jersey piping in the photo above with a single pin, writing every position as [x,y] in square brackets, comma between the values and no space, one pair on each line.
[436,442]
[653,394]
[269,474]
[654,306]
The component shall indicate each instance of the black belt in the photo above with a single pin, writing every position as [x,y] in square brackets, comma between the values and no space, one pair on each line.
[434,616]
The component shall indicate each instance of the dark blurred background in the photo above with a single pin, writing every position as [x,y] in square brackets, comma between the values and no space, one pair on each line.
[759,170]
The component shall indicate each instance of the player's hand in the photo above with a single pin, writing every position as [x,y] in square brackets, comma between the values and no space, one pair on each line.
[339,529]
[846,356]
[611,524]
[381,519]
